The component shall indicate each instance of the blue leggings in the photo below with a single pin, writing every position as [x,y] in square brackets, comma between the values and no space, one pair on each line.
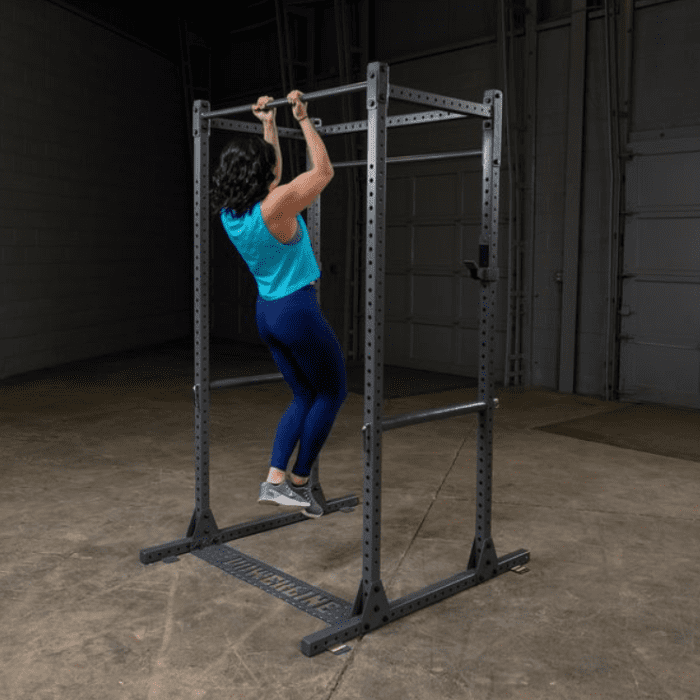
[307,352]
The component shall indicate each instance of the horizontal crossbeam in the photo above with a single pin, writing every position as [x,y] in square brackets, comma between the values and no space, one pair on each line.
[186,544]
[403,94]
[250,128]
[355,626]
[399,120]
[413,159]
[336,129]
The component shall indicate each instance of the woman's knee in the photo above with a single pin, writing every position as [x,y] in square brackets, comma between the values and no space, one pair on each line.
[333,396]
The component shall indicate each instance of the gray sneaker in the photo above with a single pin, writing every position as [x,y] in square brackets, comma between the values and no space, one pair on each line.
[314,510]
[280,495]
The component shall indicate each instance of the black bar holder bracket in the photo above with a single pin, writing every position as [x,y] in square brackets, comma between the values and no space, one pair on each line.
[371,609]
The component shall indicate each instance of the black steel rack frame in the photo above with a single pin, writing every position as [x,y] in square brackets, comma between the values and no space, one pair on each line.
[371,609]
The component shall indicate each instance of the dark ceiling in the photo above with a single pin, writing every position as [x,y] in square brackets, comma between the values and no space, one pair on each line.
[157,27]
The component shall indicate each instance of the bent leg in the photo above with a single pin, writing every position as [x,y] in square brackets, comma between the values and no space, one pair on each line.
[307,352]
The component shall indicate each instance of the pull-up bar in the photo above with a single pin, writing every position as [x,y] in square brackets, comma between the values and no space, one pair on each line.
[342,90]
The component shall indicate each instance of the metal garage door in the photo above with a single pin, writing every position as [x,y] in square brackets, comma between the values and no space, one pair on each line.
[660,323]
[432,302]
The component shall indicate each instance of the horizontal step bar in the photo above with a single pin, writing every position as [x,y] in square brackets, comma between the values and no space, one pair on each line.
[414,159]
[400,421]
[434,414]
[245,381]
[307,97]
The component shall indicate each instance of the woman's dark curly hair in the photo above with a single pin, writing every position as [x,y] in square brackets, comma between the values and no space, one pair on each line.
[244,175]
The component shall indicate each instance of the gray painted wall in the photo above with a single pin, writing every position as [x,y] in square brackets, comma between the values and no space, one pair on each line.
[96,241]
[434,212]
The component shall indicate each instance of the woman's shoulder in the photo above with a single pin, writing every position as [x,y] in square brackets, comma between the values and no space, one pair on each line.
[283,230]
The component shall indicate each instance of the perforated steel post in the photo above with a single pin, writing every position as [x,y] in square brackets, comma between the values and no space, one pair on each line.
[371,593]
[313,219]
[202,524]
[313,224]
[483,556]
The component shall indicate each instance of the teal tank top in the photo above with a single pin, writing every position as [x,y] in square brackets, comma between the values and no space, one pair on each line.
[280,269]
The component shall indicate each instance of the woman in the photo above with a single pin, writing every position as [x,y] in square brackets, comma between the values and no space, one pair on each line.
[262,220]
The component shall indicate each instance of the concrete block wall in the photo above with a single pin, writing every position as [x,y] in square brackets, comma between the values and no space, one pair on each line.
[94,232]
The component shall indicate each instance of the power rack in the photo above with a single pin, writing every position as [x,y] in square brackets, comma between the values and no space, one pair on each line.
[371,609]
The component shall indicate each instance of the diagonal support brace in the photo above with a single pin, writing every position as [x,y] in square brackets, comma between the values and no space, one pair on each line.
[483,560]
[202,530]
[372,605]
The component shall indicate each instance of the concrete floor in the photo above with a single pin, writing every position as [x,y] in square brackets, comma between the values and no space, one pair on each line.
[98,464]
